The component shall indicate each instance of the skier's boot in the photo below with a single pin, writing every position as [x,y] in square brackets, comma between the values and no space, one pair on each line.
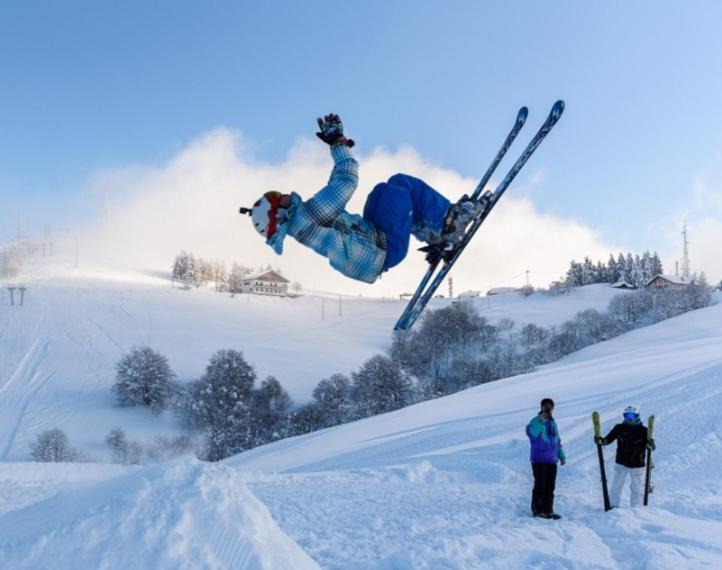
[554,516]
[458,217]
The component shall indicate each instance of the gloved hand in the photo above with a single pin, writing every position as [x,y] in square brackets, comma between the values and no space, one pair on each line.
[651,445]
[563,461]
[599,440]
[331,131]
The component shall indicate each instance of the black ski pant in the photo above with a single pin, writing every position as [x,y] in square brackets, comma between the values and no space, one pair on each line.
[542,496]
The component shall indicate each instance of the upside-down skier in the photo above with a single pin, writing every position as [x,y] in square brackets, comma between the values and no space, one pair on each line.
[363,246]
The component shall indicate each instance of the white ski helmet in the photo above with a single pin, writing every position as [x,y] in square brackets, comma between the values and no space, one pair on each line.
[632,409]
[264,214]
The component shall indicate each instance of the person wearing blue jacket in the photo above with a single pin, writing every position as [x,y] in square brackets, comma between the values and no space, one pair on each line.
[546,452]
[361,247]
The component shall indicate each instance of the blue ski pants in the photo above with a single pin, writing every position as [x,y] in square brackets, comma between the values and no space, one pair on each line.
[401,206]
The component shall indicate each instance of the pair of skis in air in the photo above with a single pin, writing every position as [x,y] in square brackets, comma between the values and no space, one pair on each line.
[648,487]
[428,287]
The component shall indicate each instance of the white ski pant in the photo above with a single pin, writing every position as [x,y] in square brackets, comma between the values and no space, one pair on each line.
[620,477]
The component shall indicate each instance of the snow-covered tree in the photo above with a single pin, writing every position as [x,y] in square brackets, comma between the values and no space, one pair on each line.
[52,446]
[637,273]
[270,412]
[235,279]
[142,379]
[380,386]
[333,400]
[183,269]
[118,444]
[219,404]
[612,273]
[122,450]
[220,276]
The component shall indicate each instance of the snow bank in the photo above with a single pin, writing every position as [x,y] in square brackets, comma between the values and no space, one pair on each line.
[447,483]
[182,515]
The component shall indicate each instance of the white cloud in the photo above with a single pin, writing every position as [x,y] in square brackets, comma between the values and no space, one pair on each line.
[192,203]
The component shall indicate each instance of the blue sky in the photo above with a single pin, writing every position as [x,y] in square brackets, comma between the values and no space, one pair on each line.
[92,86]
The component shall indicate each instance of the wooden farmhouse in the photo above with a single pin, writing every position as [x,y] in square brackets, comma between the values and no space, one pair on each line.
[268,282]
[668,282]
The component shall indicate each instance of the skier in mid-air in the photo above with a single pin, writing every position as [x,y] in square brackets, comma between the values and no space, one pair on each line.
[361,247]
[632,443]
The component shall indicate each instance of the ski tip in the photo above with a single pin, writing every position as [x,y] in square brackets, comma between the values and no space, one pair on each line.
[522,114]
[558,107]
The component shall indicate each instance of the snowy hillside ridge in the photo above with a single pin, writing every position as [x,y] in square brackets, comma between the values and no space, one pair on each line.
[59,350]
[179,515]
[453,349]
[447,484]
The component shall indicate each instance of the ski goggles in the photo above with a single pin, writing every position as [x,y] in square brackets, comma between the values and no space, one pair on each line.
[631,416]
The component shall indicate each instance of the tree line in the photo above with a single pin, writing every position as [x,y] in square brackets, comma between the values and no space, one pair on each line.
[636,270]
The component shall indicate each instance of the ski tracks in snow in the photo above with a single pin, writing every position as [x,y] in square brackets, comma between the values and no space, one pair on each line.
[20,390]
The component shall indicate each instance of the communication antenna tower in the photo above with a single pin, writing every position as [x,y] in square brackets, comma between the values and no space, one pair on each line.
[685,253]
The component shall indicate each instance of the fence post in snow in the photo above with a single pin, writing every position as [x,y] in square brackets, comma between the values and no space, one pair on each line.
[12,295]
[22,290]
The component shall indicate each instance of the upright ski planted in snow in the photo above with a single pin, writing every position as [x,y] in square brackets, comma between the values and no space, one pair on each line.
[424,293]
[598,434]
[648,478]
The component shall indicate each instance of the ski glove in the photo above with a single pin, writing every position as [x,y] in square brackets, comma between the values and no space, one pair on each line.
[599,440]
[562,461]
[331,131]
[651,445]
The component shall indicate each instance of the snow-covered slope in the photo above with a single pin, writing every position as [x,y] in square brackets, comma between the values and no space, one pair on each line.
[447,483]
[58,351]
[182,515]
[443,484]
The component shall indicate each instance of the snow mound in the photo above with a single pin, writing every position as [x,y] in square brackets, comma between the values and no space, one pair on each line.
[180,515]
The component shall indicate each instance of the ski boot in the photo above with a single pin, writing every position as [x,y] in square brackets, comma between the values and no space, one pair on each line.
[457,219]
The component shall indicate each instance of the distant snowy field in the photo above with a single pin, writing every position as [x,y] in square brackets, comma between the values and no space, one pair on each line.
[443,484]
[59,350]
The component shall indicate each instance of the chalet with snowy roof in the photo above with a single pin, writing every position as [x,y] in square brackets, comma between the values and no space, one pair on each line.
[669,282]
[268,282]
[623,284]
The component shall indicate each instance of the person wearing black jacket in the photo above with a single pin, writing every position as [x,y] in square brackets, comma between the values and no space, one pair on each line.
[632,443]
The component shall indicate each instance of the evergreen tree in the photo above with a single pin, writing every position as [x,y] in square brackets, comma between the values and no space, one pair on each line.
[142,379]
[612,273]
[656,265]
[622,268]
[628,268]
[636,275]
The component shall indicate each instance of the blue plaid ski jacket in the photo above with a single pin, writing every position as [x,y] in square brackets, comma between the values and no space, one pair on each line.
[353,246]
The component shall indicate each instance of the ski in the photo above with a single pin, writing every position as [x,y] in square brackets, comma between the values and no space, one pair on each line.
[648,478]
[518,124]
[423,293]
[598,434]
